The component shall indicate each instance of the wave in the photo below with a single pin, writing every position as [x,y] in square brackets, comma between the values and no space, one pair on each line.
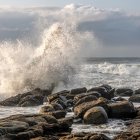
[112,68]
[25,67]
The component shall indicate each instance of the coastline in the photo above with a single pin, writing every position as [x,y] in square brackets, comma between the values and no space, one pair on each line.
[66,112]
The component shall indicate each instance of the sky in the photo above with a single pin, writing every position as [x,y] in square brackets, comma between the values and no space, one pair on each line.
[114,24]
[126,5]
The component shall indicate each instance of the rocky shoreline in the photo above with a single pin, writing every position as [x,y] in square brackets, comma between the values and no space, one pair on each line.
[93,106]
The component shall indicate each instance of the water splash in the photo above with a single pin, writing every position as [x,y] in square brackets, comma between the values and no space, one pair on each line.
[25,67]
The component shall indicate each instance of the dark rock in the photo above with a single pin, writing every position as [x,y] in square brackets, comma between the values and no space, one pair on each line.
[67,122]
[82,95]
[78,91]
[96,115]
[135,98]
[82,108]
[57,106]
[59,101]
[122,109]
[57,114]
[12,101]
[108,94]
[85,99]
[119,99]
[107,87]
[32,98]
[85,136]
[47,108]
[124,92]
[137,91]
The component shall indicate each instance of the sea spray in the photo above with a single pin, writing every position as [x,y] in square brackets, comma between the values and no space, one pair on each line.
[24,67]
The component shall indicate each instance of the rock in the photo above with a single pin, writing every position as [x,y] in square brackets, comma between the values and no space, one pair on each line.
[96,115]
[85,99]
[52,97]
[119,99]
[26,127]
[135,98]
[82,108]
[67,122]
[107,87]
[85,136]
[59,101]
[137,91]
[57,106]
[59,95]
[47,108]
[104,91]
[12,101]
[57,114]
[32,98]
[82,95]
[124,92]
[122,109]
[78,91]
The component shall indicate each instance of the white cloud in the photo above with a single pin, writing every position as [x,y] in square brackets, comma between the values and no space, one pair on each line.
[112,28]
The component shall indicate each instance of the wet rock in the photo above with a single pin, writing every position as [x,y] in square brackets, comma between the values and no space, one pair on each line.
[47,108]
[124,92]
[57,106]
[32,98]
[12,101]
[82,95]
[96,115]
[82,108]
[85,136]
[59,101]
[85,99]
[78,91]
[137,91]
[119,99]
[57,114]
[66,122]
[122,109]
[26,127]
[104,91]
[135,98]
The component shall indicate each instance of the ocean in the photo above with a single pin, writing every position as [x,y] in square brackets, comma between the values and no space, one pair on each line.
[43,48]
[117,72]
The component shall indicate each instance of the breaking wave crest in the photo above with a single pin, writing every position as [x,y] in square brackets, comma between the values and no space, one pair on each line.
[119,69]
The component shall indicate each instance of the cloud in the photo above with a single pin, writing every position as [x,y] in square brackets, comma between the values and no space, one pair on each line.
[112,29]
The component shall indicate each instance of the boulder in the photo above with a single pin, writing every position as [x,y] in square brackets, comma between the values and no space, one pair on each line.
[85,99]
[96,115]
[122,110]
[32,98]
[135,98]
[105,92]
[82,108]
[78,91]
[119,99]
[124,92]
[137,91]
[80,96]
[57,114]
[85,136]
[68,121]
[47,108]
